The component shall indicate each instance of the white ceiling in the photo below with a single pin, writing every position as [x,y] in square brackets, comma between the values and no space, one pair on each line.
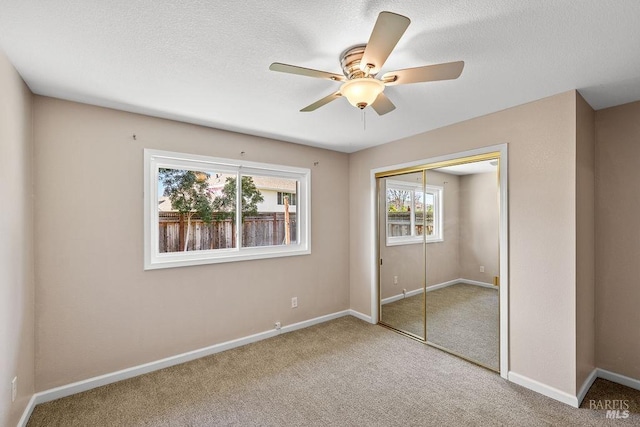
[484,166]
[207,62]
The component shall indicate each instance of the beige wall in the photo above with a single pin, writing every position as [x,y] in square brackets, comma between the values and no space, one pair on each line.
[98,311]
[585,241]
[16,243]
[479,227]
[443,258]
[542,203]
[618,239]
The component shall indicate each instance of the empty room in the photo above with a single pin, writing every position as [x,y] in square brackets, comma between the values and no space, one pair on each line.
[285,213]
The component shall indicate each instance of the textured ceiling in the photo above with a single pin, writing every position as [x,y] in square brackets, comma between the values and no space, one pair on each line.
[207,62]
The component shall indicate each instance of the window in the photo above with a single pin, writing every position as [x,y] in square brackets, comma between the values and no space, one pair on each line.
[201,210]
[290,196]
[412,213]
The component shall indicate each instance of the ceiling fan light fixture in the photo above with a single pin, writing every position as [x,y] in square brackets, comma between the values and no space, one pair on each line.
[362,92]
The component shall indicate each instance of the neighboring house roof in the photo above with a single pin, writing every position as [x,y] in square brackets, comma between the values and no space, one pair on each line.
[164,204]
[273,183]
[217,182]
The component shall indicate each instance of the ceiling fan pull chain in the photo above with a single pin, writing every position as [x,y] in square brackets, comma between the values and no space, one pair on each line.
[364,121]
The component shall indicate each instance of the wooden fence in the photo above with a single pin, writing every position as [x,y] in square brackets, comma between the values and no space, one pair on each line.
[264,229]
[399,224]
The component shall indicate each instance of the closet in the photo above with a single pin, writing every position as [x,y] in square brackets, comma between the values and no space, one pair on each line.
[438,241]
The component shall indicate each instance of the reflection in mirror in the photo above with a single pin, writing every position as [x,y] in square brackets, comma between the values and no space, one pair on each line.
[462,313]
[402,230]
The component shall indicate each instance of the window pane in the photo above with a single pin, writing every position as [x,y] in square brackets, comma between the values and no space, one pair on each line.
[268,211]
[194,206]
[291,196]
[429,207]
[419,212]
[187,220]
[398,212]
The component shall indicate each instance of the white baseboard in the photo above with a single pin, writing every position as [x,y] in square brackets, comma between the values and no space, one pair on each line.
[91,383]
[438,286]
[619,379]
[307,323]
[24,419]
[361,316]
[544,389]
[567,398]
[586,386]
[443,285]
[401,296]
[477,283]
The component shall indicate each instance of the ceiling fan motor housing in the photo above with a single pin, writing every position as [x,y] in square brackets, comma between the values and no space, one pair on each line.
[350,61]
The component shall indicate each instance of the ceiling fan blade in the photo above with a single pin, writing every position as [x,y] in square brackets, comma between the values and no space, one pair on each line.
[319,103]
[384,37]
[429,73]
[294,69]
[383,105]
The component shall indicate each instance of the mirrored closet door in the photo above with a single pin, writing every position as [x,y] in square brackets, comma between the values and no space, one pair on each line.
[402,266]
[438,247]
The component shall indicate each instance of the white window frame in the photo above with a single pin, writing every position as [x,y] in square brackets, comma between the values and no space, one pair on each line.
[438,217]
[156,159]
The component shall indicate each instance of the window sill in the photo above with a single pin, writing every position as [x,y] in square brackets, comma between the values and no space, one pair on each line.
[412,241]
[182,259]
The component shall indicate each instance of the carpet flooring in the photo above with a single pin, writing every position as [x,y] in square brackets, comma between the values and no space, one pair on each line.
[462,318]
[345,372]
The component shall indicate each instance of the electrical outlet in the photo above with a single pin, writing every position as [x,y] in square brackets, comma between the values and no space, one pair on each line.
[14,388]
[294,302]
[482,269]
[277,325]
[395,280]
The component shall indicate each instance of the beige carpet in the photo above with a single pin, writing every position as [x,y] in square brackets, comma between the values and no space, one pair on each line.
[462,318]
[405,314]
[341,373]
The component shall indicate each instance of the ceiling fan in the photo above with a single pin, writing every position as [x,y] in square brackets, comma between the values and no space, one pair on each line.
[361,63]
